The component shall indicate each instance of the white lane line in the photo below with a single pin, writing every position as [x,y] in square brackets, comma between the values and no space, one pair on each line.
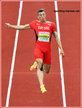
[60,58]
[14,54]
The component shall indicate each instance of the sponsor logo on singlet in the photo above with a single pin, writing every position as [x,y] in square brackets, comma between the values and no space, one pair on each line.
[44,36]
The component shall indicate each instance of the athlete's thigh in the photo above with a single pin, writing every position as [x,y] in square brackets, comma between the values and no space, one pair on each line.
[38,53]
[47,57]
[46,67]
[39,60]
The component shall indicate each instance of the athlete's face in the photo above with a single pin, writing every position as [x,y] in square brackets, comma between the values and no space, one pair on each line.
[42,16]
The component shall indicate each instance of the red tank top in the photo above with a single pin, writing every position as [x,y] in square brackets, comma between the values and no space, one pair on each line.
[43,32]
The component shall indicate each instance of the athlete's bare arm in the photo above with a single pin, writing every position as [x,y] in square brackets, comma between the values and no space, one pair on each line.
[21,27]
[58,42]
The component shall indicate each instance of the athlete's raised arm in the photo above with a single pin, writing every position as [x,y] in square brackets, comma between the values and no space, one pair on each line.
[21,27]
[58,42]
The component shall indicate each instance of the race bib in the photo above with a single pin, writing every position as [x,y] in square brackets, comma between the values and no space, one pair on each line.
[44,36]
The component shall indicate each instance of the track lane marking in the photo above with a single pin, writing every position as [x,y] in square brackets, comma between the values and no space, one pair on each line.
[14,55]
[60,58]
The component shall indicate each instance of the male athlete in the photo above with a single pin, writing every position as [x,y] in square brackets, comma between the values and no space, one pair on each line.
[42,52]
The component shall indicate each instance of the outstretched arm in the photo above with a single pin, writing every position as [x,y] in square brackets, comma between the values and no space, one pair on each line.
[21,27]
[58,42]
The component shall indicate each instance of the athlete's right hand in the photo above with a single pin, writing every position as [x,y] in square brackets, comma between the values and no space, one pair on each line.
[8,25]
[62,52]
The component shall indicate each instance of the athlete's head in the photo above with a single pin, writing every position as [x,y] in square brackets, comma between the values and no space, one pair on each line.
[41,15]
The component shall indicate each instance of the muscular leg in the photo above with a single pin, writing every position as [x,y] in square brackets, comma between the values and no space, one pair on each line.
[39,72]
[46,68]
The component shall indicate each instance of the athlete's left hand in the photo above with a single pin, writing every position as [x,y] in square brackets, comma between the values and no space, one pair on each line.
[62,52]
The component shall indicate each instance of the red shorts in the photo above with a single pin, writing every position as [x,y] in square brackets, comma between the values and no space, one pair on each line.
[45,55]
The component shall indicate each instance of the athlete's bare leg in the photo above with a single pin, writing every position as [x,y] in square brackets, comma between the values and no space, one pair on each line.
[39,72]
[46,68]
[38,64]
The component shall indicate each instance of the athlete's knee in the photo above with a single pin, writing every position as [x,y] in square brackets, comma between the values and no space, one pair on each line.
[47,70]
[41,67]
[40,64]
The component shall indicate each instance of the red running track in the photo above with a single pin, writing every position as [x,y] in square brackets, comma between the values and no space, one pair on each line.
[25,89]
